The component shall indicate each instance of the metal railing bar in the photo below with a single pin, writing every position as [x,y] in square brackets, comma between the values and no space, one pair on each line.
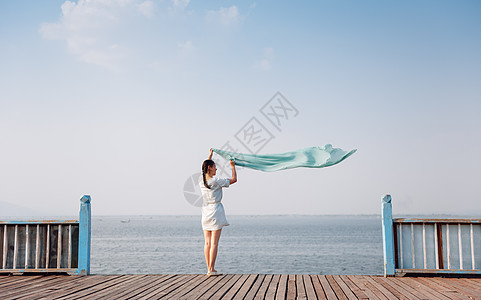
[460,242]
[69,246]
[472,247]
[26,246]
[15,248]
[47,255]
[424,246]
[412,245]
[401,244]
[5,247]
[59,246]
[448,254]
[436,252]
[37,247]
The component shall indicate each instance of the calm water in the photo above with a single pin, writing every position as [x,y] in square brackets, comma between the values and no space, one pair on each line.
[251,244]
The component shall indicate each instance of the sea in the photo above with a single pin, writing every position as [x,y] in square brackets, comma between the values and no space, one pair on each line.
[260,244]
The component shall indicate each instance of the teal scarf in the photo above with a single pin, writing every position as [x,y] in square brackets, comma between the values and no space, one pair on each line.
[313,157]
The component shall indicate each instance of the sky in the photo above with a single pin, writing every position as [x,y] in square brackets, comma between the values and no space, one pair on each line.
[122,99]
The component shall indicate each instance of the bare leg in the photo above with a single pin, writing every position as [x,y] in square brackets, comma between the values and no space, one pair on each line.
[214,242]
[207,237]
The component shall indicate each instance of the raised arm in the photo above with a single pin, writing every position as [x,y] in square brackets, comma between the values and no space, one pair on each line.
[210,154]
[234,173]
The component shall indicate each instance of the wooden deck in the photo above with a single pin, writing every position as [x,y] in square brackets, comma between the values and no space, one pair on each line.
[237,286]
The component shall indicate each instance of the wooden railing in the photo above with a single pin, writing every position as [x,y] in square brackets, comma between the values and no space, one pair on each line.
[435,246]
[46,246]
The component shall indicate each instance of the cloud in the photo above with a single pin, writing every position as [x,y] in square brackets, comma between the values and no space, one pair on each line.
[91,28]
[146,8]
[225,16]
[186,49]
[180,3]
[265,64]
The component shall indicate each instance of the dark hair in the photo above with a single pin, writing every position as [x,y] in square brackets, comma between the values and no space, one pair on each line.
[207,163]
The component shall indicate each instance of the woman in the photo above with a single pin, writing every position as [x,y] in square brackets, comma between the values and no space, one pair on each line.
[213,215]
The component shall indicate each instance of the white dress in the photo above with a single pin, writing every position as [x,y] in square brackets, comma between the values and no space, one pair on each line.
[213,214]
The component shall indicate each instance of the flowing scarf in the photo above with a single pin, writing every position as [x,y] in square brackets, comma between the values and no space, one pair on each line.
[313,157]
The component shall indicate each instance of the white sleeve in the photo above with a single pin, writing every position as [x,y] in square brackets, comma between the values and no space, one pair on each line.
[223,182]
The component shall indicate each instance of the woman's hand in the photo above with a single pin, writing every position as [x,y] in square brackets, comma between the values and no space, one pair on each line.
[232,163]
[210,153]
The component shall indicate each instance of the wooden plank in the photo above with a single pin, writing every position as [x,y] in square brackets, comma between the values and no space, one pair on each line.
[215,287]
[330,294]
[136,289]
[201,289]
[263,288]
[282,287]
[60,283]
[469,283]
[384,282]
[464,285]
[160,280]
[192,284]
[260,287]
[402,292]
[91,292]
[17,289]
[336,288]
[301,290]
[311,294]
[174,286]
[237,286]
[39,286]
[172,282]
[8,280]
[353,287]
[88,290]
[77,283]
[476,281]
[372,287]
[449,283]
[416,293]
[255,286]
[452,287]
[271,291]
[386,292]
[449,292]
[355,279]
[226,287]
[118,289]
[16,292]
[318,287]
[346,290]
[291,287]
[419,285]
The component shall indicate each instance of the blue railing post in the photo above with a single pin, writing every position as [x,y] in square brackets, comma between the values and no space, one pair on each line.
[388,237]
[84,236]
